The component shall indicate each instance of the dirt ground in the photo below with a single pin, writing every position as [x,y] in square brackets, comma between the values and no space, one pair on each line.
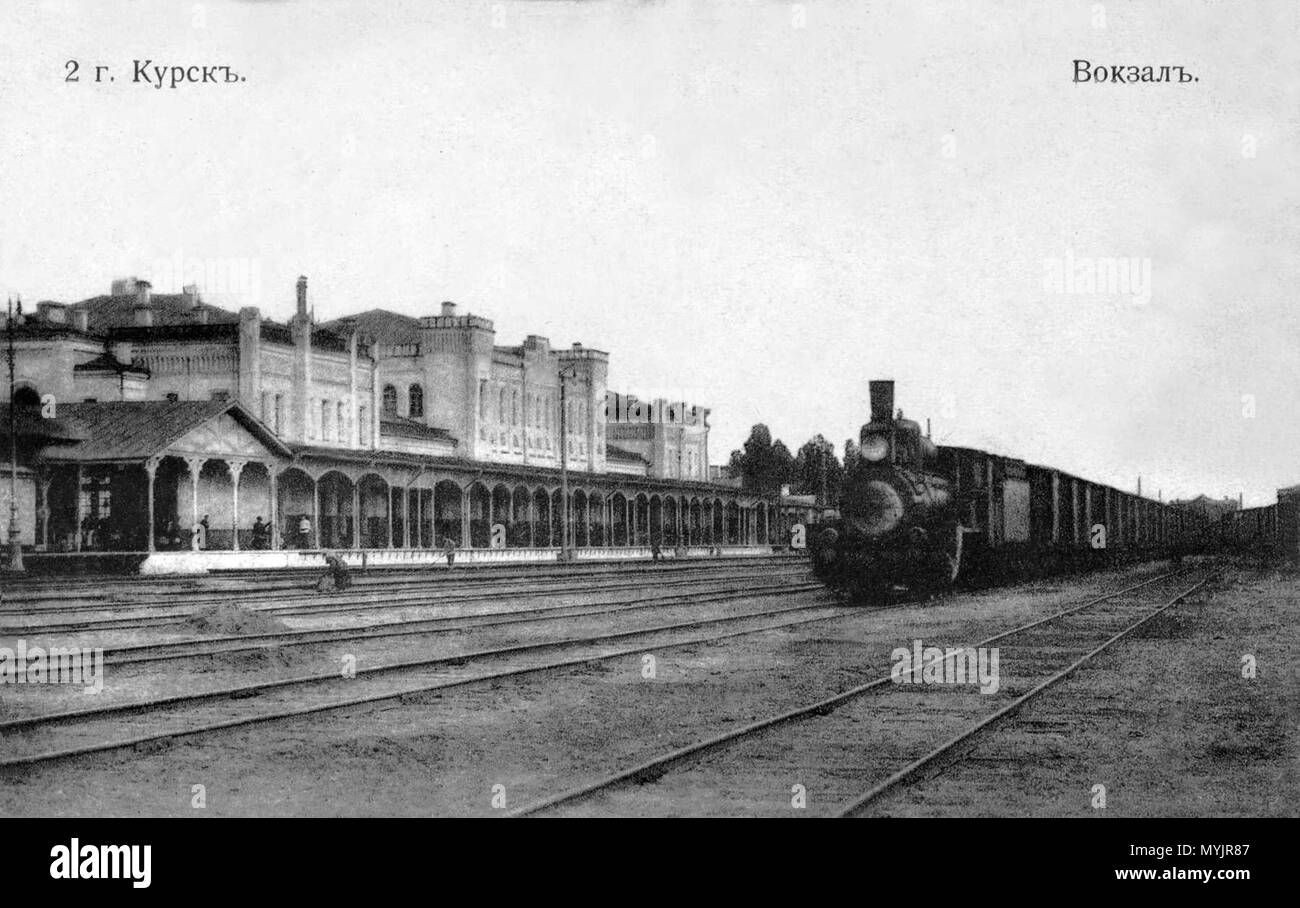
[1166,723]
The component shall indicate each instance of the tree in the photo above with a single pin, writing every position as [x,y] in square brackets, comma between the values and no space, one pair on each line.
[762,466]
[850,454]
[817,471]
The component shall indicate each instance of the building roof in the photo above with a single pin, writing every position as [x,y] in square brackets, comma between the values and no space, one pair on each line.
[403,427]
[106,312]
[29,423]
[140,429]
[384,325]
[613,452]
[107,362]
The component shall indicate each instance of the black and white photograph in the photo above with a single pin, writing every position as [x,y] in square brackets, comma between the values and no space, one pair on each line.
[643,409]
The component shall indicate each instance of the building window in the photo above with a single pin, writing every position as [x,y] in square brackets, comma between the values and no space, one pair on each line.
[342,425]
[265,413]
[390,400]
[279,412]
[416,409]
[363,427]
[324,420]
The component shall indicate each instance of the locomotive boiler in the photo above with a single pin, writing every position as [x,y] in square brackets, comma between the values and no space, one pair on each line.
[900,522]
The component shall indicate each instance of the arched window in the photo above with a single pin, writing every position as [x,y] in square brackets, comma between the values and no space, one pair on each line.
[416,394]
[390,400]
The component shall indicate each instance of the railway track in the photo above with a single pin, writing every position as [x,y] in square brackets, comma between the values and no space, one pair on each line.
[30,741]
[410,594]
[898,721]
[208,647]
[55,592]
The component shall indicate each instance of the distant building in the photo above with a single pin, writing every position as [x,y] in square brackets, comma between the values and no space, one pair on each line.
[804,509]
[672,436]
[1204,506]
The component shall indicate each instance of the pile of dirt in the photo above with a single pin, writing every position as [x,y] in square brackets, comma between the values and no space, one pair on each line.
[231,619]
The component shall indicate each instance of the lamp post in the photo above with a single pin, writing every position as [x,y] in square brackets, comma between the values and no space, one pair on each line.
[15,547]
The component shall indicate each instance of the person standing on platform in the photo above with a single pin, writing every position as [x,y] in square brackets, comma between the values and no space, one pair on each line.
[449,548]
[304,532]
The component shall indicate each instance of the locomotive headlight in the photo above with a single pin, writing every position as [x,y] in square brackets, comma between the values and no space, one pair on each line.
[874,448]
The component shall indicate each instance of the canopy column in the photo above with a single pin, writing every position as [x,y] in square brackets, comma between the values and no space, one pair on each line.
[195,465]
[150,469]
[235,467]
[276,541]
[356,515]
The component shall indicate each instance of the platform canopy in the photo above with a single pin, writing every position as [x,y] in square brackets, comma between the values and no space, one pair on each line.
[133,475]
[136,431]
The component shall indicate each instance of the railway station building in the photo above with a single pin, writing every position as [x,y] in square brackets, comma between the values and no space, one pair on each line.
[195,437]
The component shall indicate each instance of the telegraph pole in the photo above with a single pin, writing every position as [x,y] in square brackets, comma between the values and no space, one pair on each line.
[15,547]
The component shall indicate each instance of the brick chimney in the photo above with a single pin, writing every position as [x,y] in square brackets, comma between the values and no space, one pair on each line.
[302,296]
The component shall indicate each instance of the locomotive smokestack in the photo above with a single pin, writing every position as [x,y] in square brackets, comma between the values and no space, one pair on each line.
[882,400]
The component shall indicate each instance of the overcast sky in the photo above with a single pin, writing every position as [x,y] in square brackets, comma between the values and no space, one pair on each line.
[757,206]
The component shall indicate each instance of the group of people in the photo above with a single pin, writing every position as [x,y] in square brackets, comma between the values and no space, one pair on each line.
[172,536]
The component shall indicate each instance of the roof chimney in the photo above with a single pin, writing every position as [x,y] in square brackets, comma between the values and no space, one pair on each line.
[143,316]
[449,309]
[302,296]
[190,296]
[81,319]
[143,293]
[882,400]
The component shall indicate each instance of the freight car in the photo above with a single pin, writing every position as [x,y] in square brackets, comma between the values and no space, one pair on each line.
[919,517]
[1271,532]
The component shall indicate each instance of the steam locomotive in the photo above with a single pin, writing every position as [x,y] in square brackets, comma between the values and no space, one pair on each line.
[915,517]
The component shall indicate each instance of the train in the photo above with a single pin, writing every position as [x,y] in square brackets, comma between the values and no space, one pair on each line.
[918,517]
